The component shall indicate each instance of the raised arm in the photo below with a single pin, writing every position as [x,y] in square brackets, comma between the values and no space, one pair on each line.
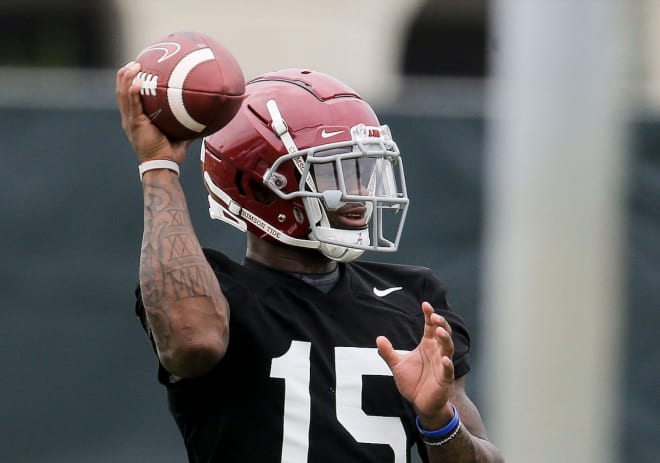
[425,377]
[185,308]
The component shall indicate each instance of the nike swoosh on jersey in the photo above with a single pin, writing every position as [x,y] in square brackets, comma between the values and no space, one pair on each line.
[385,292]
[325,134]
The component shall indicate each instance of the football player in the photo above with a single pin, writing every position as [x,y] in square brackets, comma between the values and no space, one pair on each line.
[300,353]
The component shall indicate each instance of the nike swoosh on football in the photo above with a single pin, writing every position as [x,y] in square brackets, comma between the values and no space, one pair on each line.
[385,292]
[168,49]
[325,134]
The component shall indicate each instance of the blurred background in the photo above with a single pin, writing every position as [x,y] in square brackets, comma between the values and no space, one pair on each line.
[79,379]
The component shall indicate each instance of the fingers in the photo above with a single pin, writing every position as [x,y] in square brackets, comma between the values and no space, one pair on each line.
[128,94]
[147,140]
[387,352]
[437,327]
[125,76]
[448,370]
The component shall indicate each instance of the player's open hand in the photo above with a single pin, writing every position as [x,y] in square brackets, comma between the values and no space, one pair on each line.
[148,142]
[425,375]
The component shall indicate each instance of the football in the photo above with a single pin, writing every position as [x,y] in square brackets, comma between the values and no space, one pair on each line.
[191,85]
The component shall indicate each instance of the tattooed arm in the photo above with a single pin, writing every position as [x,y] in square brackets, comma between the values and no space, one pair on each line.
[186,310]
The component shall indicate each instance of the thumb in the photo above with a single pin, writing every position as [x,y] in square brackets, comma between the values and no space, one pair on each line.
[387,352]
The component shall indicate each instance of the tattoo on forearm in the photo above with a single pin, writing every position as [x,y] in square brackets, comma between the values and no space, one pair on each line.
[190,282]
[173,268]
[172,259]
[178,217]
[181,245]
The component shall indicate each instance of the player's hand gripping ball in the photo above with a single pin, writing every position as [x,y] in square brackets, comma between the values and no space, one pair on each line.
[191,85]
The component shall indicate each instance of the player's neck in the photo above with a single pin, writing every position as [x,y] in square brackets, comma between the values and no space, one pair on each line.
[288,258]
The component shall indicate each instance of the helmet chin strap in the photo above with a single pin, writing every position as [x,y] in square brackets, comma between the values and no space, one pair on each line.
[335,251]
[340,253]
[316,215]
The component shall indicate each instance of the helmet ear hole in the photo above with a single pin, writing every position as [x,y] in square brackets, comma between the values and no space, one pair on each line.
[261,193]
[298,215]
[238,180]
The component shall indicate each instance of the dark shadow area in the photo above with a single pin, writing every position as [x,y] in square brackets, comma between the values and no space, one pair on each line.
[62,33]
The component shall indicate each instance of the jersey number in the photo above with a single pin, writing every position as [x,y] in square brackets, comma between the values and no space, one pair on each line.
[351,363]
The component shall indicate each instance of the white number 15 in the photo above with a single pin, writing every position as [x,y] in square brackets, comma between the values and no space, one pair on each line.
[351,363]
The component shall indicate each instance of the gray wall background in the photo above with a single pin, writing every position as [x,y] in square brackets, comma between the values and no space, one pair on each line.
[78,374]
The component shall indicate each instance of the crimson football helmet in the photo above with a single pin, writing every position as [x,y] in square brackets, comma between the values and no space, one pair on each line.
[305,162]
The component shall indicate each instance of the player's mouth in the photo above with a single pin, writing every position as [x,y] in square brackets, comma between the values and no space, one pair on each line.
[350,216]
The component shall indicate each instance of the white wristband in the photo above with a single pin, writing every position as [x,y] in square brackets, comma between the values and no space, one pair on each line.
[158,164]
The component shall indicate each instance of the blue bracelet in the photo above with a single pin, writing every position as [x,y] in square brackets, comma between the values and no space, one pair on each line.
[442,432]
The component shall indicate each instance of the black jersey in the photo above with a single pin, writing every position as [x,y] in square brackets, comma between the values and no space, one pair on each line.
[301,380]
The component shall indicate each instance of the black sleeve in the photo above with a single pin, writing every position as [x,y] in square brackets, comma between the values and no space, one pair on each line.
[435,292]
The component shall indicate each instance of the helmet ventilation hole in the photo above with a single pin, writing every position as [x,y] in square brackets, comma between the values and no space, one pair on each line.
[298,215]
[239,182]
